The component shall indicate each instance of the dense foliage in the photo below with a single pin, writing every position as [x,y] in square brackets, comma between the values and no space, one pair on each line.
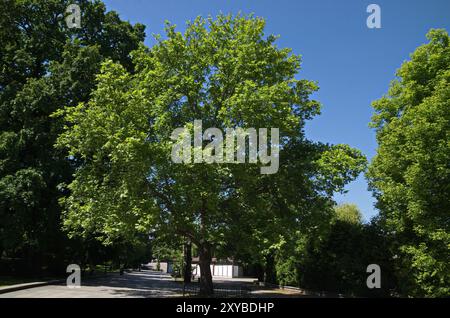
[228,74]
[86,176]
[410,175]
[45,66]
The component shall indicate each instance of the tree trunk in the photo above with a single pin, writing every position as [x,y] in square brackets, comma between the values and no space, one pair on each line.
[269,269]
[206,284]
[187,262]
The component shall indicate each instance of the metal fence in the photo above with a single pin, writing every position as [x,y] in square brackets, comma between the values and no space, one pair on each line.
[193,290]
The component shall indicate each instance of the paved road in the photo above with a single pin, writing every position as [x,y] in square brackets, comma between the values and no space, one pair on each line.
[139,285]
[135,284]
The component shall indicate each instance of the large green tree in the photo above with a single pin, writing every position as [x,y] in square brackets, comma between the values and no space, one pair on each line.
[410,174]
[228,74]
[44,66]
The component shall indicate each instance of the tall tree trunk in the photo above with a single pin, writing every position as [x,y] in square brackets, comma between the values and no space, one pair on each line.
[206,284]
[187,262]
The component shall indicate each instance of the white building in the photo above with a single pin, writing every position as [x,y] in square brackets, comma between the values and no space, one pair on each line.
[219,268]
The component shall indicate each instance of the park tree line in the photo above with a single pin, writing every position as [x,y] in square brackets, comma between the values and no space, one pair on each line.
[44,67]
[86,175]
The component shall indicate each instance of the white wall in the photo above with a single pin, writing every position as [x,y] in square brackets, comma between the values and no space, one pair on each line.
[227,271]
[163,266]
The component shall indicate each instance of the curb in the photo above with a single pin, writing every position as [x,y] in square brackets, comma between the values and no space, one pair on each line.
[13,288]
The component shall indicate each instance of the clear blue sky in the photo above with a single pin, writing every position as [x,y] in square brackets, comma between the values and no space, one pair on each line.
[353,64]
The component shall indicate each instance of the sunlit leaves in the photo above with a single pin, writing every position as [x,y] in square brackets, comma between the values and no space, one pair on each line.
[410,174]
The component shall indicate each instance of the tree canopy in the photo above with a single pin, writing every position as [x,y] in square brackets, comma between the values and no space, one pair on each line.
[46,66]
[410,174]
[228,74]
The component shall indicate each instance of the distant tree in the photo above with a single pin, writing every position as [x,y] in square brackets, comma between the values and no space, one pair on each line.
[337,260]
[410,174]
[349,213]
